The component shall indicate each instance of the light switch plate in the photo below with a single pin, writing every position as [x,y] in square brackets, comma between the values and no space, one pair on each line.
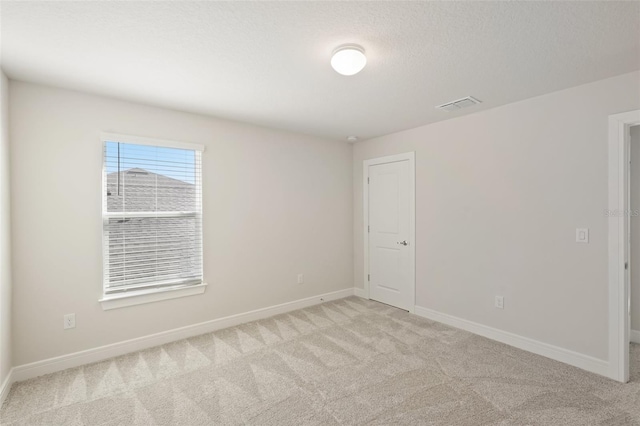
[582,235]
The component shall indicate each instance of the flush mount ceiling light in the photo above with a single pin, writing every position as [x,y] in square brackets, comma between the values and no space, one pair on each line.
[348,59]
[352,139]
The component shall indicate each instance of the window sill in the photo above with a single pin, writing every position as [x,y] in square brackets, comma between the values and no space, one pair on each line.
[150,296]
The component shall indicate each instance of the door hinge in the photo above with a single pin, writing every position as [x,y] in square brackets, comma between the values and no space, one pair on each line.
[626,265]
[368,228]
[368,277]
[367,180]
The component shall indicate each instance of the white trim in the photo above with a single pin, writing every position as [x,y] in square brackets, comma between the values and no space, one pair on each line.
[5,387]
[566,356]
[411,157]
[123,300]
[76,359]
[140,140]
[619,125]
[635,336]
[360,292]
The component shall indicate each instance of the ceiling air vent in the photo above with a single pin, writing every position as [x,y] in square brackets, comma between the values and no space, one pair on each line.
[459,104]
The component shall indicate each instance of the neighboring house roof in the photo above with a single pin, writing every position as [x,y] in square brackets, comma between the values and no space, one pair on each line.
[142,190]
[148,248]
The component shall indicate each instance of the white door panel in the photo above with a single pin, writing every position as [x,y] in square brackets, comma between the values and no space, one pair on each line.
[390,275]
[387,267]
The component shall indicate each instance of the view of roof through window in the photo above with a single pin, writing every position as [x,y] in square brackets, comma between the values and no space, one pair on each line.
[152,235]
[175,163]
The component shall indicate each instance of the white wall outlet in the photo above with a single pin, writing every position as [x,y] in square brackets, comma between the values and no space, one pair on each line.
[300,278]
[582,235]
[500,302]
[70,321]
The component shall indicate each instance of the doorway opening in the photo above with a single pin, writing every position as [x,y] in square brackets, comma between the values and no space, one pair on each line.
[634,253]
[619,216]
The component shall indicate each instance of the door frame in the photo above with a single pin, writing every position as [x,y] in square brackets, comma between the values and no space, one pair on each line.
[411,157]
[619,242]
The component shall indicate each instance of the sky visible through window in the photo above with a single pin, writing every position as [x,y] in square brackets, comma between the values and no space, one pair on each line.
[172,162]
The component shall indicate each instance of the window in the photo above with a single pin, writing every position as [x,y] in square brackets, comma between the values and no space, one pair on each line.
[152,218]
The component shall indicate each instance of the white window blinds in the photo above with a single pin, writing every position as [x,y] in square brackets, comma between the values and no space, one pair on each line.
[152,215]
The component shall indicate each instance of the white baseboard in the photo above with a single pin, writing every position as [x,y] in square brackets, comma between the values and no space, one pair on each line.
[576,359]
[635,336]
[6,386]
[51,365]
[359,292]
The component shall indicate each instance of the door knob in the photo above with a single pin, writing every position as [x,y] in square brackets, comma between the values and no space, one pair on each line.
[404,243]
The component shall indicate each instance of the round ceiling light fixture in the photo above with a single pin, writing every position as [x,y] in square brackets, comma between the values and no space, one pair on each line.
[352,139]
[348,59]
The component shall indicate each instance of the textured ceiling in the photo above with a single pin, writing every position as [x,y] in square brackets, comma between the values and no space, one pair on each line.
[268,62]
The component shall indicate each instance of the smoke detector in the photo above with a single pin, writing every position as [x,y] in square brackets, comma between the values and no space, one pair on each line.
[459,104]
[352,139]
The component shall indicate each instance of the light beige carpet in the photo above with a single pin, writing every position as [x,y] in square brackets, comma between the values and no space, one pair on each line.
[350,361]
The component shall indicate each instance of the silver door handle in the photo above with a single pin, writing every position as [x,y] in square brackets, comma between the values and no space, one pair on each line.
[404,243]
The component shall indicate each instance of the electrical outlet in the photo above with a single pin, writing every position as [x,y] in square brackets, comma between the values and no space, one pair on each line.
[500,302]
[300,278]
[70,321]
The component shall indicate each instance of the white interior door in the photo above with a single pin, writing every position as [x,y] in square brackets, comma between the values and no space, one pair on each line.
[390,232]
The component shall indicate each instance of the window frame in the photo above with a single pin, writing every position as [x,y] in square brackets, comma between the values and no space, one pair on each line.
[148,293]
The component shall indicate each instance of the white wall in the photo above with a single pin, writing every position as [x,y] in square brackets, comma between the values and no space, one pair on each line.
[635,228]
[275,204]
[499,195]
[5,233]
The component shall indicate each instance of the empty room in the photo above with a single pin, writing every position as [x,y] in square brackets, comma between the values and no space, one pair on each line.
[319,213]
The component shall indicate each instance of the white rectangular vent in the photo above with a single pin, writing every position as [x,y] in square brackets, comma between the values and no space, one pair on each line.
[459,104]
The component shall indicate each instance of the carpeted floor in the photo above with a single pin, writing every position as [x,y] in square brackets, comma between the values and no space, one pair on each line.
[350,361]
